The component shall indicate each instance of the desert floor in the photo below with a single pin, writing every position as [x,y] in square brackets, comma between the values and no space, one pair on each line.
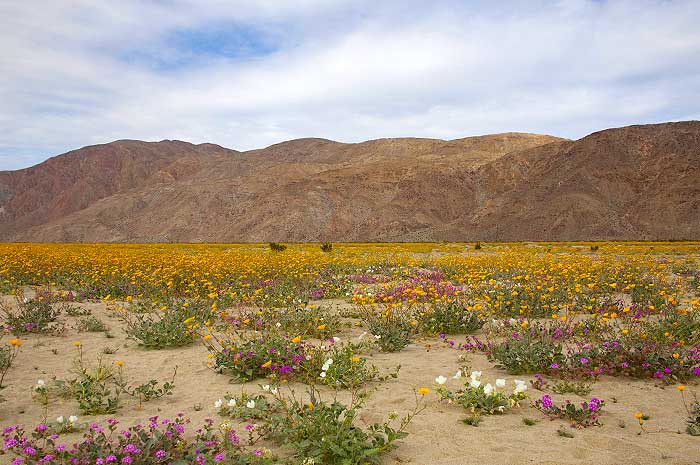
[437,435]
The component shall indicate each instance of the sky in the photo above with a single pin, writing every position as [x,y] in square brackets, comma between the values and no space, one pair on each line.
[248,74]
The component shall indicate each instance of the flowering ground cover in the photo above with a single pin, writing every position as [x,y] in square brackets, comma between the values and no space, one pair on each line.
[357,353]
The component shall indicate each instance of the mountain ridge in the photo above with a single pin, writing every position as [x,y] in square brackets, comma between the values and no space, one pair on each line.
[635,182]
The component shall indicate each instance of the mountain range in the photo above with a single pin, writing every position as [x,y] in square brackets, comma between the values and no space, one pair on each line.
[633,183]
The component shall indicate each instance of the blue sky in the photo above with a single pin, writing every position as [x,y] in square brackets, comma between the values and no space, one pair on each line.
[247,74]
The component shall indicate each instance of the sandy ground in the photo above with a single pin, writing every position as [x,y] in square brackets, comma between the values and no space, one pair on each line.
[437,436]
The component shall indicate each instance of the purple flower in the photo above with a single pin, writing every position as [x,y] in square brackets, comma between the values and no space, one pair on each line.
[546,401]
[160,454]
[219,457]
[29,450]
[554,366]
[127,459]
[584,360]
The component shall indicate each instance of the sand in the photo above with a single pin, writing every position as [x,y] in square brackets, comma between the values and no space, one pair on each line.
[437,436]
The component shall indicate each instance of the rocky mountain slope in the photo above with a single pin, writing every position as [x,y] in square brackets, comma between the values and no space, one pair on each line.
[638,182]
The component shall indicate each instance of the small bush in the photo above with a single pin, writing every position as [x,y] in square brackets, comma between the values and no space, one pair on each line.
[277,247]
[91,324]
[450,318]
[36,315]
[326,247]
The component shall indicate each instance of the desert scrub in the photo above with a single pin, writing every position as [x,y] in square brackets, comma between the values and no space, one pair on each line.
[526,353]
[339,367]
[310,321]
[98,388]
[155,441]
[326,431]
[171,325]
[479,398]
[31,315]
[393,327]
[246,356]
[693,411]
[450,318]
[582,416]
[91,324]
[8,353]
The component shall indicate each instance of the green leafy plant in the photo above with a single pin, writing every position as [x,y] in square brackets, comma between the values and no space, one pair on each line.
[8,354]
[91,324]
[247,356]
[326,247]
[479,398]
[168,326]
[393,328]
[450,318]
[326,432]
[580,388]
[523,354]
[31,315]
[582,416]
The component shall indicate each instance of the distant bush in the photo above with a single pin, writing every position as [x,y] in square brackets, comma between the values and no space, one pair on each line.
[477,246]
[594,248]
[276,247]
[326,247]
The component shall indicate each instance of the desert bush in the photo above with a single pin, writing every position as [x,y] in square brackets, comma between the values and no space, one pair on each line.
[479,398]
[277,247]
[523,354]
[326,247]
[582,416]
[174,324]
[91,324]
[450,318]
[31,315]
[393,327]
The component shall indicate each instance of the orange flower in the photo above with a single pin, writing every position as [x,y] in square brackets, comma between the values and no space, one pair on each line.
[680,387]
[423,391]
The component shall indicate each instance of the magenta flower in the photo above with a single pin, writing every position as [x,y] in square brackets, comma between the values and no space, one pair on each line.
[546,401]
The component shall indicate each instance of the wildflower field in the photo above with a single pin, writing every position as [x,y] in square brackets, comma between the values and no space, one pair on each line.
[424,353]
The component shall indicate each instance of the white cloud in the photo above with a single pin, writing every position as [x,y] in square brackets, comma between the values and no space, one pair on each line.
[78,73]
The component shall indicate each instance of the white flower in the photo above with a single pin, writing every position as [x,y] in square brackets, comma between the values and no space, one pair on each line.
[323,374]
[266,387]
[60,420]
[72,419]
[500,382]
[218,403]
[501,408]
[475,375]
[475,383]
[40,383]
[232,403]
[520,386]
[336,339]
[457,375]
[250,404]
[488,389]
[441,379]
[377,336]
[512,321]
[278,324]
[273,390]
